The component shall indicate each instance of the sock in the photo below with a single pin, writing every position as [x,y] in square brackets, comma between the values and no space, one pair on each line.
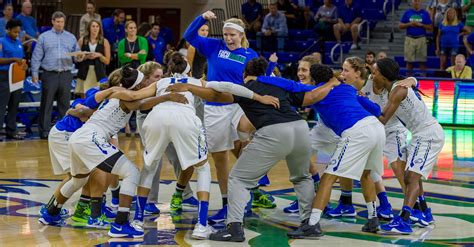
[180,189]
[96,207]
[140,209]
[383,199]
[84,199]
[202,212]
[122,215]
[316,178]
[315,216]
[346,197]
[406,212]
[423,205]
[115,192]
[372,210]
[54,208]
[224,200]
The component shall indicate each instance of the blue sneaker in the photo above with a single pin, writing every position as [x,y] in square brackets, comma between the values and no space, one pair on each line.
[385,212]
[99,223]
[125,231]
[342,210]
[151,208]
[108,212]
[52,220]
[219,217]
[114,203]
[264,181]
[190,202]
[64,212]
[397,225]
[428,216]
[418,219]
[292,208]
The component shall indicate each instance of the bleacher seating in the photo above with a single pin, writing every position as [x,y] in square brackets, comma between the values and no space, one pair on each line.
[215,26]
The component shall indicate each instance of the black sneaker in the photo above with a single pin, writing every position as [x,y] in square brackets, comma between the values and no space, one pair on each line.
[372,225]
[306,231]
[233,233]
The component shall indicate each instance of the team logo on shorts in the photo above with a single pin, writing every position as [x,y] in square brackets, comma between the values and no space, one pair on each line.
[419,161]
[101,143]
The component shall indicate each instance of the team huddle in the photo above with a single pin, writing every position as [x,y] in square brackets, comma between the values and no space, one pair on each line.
[252,114]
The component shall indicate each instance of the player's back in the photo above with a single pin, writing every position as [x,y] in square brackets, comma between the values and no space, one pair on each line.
[163,84]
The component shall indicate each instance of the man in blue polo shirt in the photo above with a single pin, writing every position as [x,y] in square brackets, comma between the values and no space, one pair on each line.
[28,22]
[252,13]
[416,21]
[11,51]
[349,19]
[157,43]
[114,29]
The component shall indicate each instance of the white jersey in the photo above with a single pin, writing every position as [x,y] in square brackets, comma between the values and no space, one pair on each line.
[110,118]
[162,84]
[414,113]
[381,100]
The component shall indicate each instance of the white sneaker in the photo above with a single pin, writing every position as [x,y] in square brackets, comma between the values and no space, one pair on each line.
[354,47]
[202,232]
[138,225]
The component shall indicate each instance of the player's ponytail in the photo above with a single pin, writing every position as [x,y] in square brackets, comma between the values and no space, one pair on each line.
[129,76]
[177,64]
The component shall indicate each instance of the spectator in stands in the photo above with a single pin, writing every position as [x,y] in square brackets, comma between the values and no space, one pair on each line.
[468,10]
[369,60]
[306,19]
[274,25]
[438,9]
[348,20]
[252,13]
[381,55]
[325,19]
[166,33]
[7,15]
[416,21]
[92,69]
[28,22]
[460,70]
[144,30]
[158,44]
[195,58]
[447,41]
[88,17]
[11,51]
[289,10]
[318,57]
[50,54]
[133,49]
[114,30]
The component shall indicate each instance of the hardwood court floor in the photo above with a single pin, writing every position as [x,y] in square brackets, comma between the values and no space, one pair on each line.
[26,182]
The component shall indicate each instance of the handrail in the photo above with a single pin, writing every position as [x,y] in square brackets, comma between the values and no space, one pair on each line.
[385,4]
[359,29]
[331,55]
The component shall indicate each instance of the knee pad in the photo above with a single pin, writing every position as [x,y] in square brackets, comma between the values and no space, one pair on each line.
[203,177]
[130,174]
[375,176]
[243,136]
[73,185]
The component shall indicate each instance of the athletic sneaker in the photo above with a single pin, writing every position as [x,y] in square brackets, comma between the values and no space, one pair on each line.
[397,225]
[385,212]
[219,217]
[137,224]
[233,233]
[293,208]
[261,200]
[264,181]
[342,210]
[99,222]
[151,208]
[306,231]
[176,204]
[191,202]
[428,216]
[64,212]
[202,232]
[108,211]
[418,219]
[81,212]
[372,225]
[124,231]
[52,220]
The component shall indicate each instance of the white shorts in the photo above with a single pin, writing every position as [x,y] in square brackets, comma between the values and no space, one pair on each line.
[323,139]
[396,145]
[424,150]
[88,148]
[221,123]
[180,126]
[58,142]
[360,148]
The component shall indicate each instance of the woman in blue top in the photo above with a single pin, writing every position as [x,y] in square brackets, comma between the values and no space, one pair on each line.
[447,41]
[223,122]
[11,51]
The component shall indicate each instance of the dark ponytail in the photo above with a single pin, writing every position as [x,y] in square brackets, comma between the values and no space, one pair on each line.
[129,76]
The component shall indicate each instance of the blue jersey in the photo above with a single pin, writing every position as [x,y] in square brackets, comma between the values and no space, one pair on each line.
[222,63]
[69,123]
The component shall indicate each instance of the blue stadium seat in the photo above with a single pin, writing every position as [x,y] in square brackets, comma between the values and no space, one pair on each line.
[288,57]
[300,34]
[373,14]
[432,62]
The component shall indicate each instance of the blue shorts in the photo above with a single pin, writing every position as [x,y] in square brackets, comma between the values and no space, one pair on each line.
[449,51]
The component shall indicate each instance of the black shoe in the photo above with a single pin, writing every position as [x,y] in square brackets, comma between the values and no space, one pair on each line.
[233,233]
[15,137]
[372,225]
[306,231]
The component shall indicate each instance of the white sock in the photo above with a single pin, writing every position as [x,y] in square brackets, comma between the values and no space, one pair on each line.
[372,210]
[315,216]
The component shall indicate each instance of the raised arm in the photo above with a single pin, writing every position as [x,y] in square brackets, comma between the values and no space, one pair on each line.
[394,100]
[203,44]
